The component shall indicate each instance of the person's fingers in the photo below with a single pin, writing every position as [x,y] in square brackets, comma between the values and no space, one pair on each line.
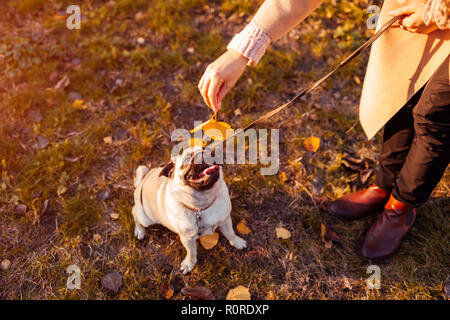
[214,87]
[409,22]
[200,83]
[205,90]
[403,27]
[409,9]
[223,92]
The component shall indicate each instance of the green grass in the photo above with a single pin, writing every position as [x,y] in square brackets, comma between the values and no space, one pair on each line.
[137,94]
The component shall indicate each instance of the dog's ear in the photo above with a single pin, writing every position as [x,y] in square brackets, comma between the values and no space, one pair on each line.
[167,170]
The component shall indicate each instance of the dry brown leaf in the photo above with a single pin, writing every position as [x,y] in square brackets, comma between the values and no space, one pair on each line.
[112,281]
[20,209]
[198,293]
[114,216]
[121,142]
[5,264]
[73,159]
[333,235]
[44,208]
[97,238]
[354,160]
[64,82]
[35,115]
[446,290]
[364,175]
[242,227]
[283,233]
[53,76]
[103,195]
[41,143]
[351,165]
[312,143]
[209,241]
[108,140]
[329,235]
[140,16]
[239,293]
[347,283]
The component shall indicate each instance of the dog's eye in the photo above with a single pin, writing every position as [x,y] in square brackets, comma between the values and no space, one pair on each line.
[187,159]
[198,158]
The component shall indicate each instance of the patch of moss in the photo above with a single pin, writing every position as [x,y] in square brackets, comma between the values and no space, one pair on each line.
[79,214]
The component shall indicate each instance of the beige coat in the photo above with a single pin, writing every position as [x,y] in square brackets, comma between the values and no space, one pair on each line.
[400,63]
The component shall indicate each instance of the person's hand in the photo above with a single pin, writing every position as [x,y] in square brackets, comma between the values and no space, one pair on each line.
[413,22]
[220,76]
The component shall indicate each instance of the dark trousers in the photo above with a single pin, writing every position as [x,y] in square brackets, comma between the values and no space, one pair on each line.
[416,142]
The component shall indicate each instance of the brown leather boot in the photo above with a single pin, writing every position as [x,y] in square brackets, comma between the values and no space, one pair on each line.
[361,203]
[385,236]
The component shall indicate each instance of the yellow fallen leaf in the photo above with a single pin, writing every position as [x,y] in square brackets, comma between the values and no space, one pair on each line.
[194,142]
[282,176]
[209,241]
[79,104]
[312,143]
[216,130]
[283,233]
[328,243]
[242,227]
[108,140]
[199,127]
[169,292]
[59,16]
[239,293]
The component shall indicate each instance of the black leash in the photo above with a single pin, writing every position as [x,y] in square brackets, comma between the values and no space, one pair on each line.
[315,84]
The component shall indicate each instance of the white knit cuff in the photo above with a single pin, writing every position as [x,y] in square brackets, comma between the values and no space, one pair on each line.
[251,42]
[437,11]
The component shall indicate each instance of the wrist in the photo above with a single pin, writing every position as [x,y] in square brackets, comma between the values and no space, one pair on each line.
[238,56]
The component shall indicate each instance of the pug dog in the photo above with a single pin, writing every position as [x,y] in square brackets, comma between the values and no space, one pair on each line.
[187,196]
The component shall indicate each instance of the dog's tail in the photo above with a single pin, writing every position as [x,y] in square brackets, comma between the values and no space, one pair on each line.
[141,171]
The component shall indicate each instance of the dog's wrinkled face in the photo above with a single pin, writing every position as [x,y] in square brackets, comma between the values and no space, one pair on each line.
[192,170]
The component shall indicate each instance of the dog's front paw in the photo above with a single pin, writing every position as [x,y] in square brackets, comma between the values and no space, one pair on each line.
[139,232]
[238,243]
[187,265]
